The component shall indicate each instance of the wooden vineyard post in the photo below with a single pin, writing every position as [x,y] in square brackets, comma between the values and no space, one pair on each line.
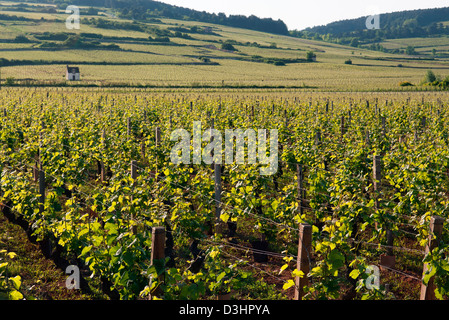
[102,172]
[41,188]
[101,163]
[436,228]
[128,127]
[41,173]
[208,114]
[133,169]
[301,192]
[367,138]
[212,126]
[286,118]
[218,190]
[342,127]
[158,136]
[36,171]
[387,260]
[157,143]
[318,138]
[424,122]
[158,256]
[384,130]
[142,147]
[133,177]
[142,141]
[303,264]
[377,177]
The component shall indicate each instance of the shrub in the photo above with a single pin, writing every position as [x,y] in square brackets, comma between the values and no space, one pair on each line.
[9,81]
[92,11]
[73,41]
[444,84]
[349,61]
[159,39]
[179,34]
[60,36]
[228,46]
[406,84]
[279,63]
[21,39]
[204,59]
[162,39]
[311,56]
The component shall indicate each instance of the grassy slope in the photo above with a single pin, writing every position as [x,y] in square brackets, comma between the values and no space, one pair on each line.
[175,64]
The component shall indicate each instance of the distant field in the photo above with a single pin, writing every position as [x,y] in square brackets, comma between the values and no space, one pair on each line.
[182,61]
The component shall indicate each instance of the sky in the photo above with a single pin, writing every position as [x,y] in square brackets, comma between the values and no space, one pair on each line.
[300,14]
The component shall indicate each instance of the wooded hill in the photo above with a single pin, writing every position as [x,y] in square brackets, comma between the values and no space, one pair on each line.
[142,10]
[396,25]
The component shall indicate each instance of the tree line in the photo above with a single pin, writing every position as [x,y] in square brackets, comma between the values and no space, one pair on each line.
[404,24]
[142,10]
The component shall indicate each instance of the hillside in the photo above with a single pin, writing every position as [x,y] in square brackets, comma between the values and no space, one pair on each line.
[146,10]
[417,34]
[403,24]
[36,46]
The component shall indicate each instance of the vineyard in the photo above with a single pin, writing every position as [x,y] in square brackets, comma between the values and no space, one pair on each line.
[362,181]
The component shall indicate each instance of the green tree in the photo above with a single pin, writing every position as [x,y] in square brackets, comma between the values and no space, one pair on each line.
[311,56]
[430,76]
[410,50]
[354,42]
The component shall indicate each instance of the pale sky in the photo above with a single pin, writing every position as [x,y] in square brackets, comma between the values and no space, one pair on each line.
[300,14]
